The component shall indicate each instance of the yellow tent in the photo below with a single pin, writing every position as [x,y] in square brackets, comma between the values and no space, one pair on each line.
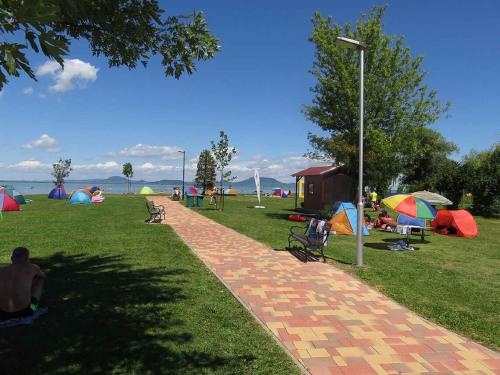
[232,192]
[301,188]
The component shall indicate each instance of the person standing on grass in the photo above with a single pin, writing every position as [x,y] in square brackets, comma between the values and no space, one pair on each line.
[21,285]
[373,198]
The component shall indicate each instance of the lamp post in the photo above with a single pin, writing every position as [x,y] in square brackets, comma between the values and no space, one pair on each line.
[183,152]
[354,44]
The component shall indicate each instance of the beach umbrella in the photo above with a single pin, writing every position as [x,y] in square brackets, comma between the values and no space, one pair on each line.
[432,198]
[191,191]
[410,206]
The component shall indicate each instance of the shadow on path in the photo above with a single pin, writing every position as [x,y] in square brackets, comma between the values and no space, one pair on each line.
[105,317]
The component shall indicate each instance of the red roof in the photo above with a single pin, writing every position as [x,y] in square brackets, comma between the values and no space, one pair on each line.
[315,171]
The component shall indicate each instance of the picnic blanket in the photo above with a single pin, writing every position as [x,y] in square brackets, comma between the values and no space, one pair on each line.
[400,245]
[24,321]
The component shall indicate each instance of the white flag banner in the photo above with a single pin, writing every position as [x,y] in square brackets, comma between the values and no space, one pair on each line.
[256,176]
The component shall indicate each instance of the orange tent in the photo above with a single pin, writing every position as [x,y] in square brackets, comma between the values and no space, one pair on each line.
[458,223]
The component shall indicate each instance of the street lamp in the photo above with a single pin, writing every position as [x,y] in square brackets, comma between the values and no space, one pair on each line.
[183,152]
[354,44]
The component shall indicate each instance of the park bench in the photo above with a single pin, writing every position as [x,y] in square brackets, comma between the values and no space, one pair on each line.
[156,212]
[310,239]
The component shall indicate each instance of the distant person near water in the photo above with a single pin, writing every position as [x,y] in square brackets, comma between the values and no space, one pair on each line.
[21,285]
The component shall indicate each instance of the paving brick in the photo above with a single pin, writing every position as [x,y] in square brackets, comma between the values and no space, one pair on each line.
[325,318]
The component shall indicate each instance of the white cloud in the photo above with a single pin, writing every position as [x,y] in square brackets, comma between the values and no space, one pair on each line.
[28,90]
[31,164]
[44,142]
[150,167]
[2,92]
[107,166]
[147,151]
[75,72]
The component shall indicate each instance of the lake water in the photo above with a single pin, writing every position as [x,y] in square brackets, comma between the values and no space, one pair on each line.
[27,188]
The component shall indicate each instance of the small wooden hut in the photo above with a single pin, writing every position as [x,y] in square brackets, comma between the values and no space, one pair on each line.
[324,185]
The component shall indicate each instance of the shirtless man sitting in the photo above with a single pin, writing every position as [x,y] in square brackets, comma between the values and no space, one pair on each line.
[21,285]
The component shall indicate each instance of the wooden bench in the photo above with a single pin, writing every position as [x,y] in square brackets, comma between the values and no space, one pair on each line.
[310,239]
[156,212]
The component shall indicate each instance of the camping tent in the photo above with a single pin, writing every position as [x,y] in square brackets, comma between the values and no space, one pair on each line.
[7,203]
[8,189]
[92,189]
[459,221]
[18,197]
[79,197]
[411,221]
[98,198]
[146,190]
[58,193]
[232,192]
[344,219]
[284,194]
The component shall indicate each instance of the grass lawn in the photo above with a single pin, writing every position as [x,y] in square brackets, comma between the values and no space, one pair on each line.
[125,297]
[452,281]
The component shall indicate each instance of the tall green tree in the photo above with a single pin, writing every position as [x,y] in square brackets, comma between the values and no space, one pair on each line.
[129,173]
[223,155]
[126,32]
[61,170]
[423,170]
[483,180]
[205,172]
[398,104]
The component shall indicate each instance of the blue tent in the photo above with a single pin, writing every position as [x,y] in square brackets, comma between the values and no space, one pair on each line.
[344,219]
[58,193]
[407,220]
[79,197]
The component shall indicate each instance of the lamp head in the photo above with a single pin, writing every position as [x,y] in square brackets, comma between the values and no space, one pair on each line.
[349,43]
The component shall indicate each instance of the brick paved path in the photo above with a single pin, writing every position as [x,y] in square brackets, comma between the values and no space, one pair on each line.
[329,321]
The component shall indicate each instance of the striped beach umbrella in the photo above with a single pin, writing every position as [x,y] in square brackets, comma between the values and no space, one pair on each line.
[410,206]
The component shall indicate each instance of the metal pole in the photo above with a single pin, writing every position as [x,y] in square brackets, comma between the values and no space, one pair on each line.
[296,190]
[359,239]
[183,171]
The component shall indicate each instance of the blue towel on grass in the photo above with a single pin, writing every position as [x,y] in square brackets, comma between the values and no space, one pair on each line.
[24,321]
[400,245]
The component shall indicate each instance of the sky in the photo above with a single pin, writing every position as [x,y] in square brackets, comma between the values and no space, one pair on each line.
[254,89]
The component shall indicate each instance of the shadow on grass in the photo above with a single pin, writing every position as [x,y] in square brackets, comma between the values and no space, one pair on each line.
[105,317]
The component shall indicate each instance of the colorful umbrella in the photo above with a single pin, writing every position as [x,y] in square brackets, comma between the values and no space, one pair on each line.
[410,205]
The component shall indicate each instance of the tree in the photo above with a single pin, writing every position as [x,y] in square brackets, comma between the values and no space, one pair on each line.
[129,173]
[223,155]
[483,180]
[423,170]
[61,170]
[450,181]
[205,173]
[397,102]
[126,32]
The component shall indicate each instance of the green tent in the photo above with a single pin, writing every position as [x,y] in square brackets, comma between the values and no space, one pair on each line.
[146,190]
[18,197]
